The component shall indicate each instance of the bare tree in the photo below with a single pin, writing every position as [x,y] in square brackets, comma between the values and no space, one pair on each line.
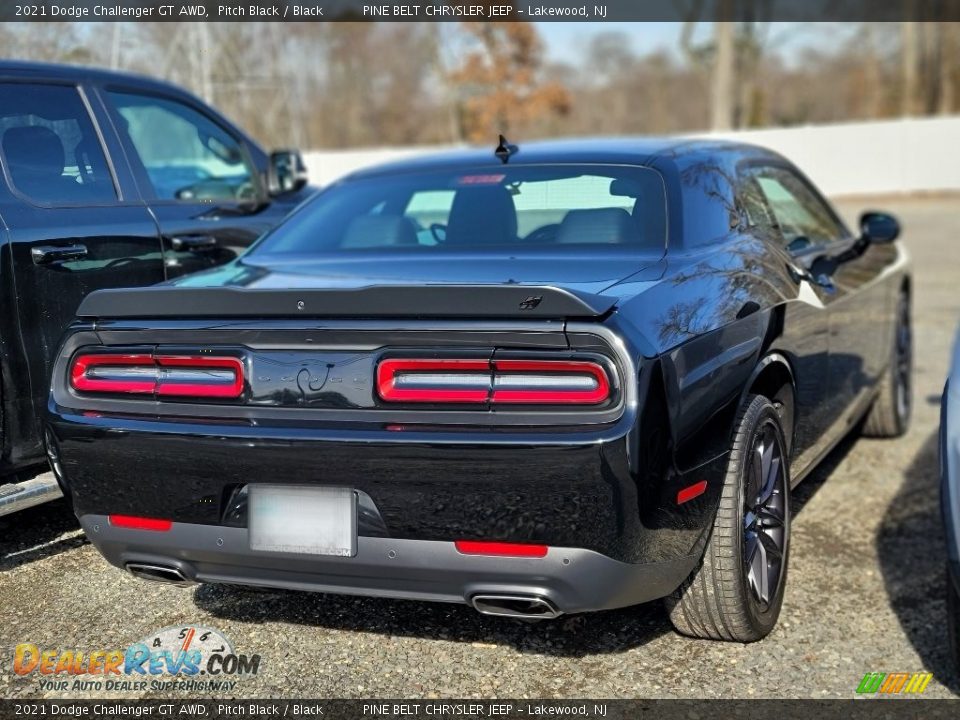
[722,95]
[317,85]
[949,47]
[871,73]
[501,78]
[909,58]
[719,61]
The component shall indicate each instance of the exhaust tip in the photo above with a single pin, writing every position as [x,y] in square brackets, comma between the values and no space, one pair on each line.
[159,573]
[15,496]
[523,607]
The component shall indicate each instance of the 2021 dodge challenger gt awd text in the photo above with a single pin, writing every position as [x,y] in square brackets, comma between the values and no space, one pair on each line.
[575,376]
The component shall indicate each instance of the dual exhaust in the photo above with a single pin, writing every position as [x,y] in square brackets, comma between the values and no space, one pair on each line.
[523,607]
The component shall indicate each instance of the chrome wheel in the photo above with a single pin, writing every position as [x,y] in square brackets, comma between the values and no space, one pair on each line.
[764,515]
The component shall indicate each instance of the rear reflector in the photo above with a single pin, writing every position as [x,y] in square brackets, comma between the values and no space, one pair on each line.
[199,376]
[132,522]
[691,492]
[531,382]
[502,549]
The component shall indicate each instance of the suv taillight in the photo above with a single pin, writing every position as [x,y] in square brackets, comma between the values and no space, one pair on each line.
[198,376]
[526,382]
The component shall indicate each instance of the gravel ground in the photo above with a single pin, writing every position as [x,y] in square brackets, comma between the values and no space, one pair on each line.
[865,591]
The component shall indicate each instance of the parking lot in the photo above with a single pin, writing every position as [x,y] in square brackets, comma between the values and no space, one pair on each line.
[865,593]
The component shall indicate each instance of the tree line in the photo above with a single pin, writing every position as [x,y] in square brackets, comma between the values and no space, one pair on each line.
[342,85]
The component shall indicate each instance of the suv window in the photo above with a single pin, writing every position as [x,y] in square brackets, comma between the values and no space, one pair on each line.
[777,196]
[185,154]
[51,151]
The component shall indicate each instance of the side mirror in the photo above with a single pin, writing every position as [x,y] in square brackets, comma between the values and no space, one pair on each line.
[879,227]
[287,172]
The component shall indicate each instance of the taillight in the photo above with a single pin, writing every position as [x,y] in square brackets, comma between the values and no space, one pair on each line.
[565,382]
[114,373]
[199,376]
[162,375]
[530,382]
[435,381]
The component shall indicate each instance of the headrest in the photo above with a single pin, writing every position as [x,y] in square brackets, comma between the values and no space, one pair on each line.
[379,231]
[601,226]
[33,150]
[483,215]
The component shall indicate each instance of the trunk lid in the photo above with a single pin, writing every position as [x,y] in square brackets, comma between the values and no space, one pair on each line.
[585,273]
[469,286]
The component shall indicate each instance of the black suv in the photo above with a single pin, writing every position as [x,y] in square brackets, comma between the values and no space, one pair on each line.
[109,180]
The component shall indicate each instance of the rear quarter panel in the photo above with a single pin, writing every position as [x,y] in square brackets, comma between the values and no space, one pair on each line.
[710,319]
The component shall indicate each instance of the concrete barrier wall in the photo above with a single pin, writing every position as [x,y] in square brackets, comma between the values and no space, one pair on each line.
[896,156]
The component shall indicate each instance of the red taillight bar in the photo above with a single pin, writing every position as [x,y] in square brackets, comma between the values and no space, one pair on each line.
[573,368]
[82,382]
[534,382]
[501,549]
[171,387]
[162,375]
[390,374]
[132,522]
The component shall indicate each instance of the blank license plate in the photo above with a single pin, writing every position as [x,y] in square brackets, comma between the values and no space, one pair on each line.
[310,520]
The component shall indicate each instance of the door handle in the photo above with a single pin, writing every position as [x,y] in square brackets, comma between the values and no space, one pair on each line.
[193,242]
[46,254]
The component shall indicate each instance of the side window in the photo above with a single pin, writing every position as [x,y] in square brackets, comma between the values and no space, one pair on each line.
[51,151]
[185,155]
[754,203]
[790,204]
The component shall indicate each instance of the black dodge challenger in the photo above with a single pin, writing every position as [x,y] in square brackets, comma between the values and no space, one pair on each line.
[558,378]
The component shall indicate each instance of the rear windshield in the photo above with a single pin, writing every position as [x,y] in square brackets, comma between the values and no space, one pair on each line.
[500,209]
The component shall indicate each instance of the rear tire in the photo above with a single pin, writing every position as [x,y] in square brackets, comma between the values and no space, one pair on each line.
[889,417]
[737,590]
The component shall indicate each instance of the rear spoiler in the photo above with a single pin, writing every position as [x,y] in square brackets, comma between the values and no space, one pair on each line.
[475,301]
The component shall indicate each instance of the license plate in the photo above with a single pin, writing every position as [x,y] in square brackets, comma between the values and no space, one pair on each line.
[307,520]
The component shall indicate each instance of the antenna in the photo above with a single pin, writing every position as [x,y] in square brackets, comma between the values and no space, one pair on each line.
[505,150]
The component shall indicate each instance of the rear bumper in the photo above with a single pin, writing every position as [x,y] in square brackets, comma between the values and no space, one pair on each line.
[572,579]
[563,490]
